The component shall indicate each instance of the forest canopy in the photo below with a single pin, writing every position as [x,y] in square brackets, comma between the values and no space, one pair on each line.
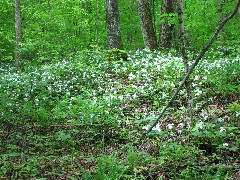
[58,28]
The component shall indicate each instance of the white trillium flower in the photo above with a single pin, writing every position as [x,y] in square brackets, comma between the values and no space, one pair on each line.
[203,112]
[205,117]
[120,97]
[237,113]
[181,125]
[196,78]
[199,125]
[198,92]
[225,144]
[134,96]
[131,76]
[179,131]
[170,126]
[156,128]
[222,129]
[193,84]
[220,119]
[146,127]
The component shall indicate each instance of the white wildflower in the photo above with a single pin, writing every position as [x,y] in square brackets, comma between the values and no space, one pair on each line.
[119,121]
[222,129]
[204,115]
[196,78]
[146,127]
[220,119]
[181,125]
[131,76]
[170,126]
[225,144]
[156,128]
[193,84]
[237,113]
[164,95]
[199,125]
[198,92]
[124,69]
[182,108]
[120,98]
[134,96]
[179,131]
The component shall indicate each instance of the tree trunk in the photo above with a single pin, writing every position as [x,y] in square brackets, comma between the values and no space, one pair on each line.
[220,17]
[166,30]
[148,32]
[113,30]
[188,83]
[195,63]
[113,25]
[97,25]
[18,30]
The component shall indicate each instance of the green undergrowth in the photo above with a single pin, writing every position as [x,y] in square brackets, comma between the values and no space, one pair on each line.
[83,118]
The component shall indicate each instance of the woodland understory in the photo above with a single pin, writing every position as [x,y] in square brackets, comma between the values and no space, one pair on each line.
[108,90]
[84,117]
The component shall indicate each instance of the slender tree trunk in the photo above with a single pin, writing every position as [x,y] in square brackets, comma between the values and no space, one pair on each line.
[148,32]
[18,30]
[220,17]
[97,24]
[195,63]
[166,29]
[113,30]
[188,83]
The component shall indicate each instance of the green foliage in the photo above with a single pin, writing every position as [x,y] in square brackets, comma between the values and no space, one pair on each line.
[201,20]
[234,107]
[56,29]
[109,168]
[6,30]
[82,117]
[222,76]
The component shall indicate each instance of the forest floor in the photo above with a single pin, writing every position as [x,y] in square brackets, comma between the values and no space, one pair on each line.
[83,118]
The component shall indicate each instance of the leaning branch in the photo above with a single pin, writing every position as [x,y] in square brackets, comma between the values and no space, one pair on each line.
[204,50]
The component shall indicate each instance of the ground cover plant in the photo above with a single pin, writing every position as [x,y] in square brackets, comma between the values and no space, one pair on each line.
[83,116]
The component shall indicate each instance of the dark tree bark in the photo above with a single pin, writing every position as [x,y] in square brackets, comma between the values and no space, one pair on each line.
[18,30]
[113,25]
[148,32]
[166,29]
[113,30]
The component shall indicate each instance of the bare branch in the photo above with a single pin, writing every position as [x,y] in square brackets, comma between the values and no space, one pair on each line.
[204,50]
